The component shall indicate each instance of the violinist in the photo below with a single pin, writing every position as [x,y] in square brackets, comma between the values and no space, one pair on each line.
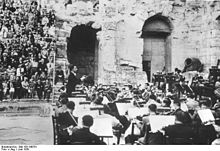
[67,121]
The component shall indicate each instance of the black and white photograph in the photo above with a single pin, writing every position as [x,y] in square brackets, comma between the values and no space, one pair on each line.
[109,72]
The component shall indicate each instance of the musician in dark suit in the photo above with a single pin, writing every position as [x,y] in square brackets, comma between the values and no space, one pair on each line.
[205,132]
[181,129]
[66,120]
[83,136]
[73,80]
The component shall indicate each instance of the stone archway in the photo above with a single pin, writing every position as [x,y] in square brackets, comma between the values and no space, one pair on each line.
[82,50]
[157,45]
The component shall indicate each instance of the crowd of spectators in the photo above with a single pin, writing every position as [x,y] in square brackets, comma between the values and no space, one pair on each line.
[27,45]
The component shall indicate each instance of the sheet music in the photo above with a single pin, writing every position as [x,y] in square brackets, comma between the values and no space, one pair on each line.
[81,112]
[123,107]
[102,127]
[105,100]
[157,122]
[183,106]
[134,112]
[77,100]
[206,115]
[79,107]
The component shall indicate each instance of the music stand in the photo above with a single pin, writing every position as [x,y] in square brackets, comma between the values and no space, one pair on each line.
[188,89]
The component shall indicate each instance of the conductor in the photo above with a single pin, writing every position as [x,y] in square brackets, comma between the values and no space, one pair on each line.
[73,80]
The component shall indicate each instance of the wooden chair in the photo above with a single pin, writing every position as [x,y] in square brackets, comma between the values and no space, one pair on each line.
[56,140]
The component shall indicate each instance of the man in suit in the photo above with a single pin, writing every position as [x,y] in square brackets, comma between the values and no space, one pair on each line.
[83,136]
[72,80]
[66,121]
[66,118]
[181,129]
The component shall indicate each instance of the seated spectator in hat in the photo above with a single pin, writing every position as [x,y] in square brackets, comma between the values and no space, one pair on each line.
[82,135]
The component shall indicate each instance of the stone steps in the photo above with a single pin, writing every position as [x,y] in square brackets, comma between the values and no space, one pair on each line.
[25,108]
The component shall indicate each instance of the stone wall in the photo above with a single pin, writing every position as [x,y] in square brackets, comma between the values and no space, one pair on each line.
[195,32]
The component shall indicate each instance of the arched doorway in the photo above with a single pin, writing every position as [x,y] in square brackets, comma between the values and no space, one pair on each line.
[82,50]
[157,51]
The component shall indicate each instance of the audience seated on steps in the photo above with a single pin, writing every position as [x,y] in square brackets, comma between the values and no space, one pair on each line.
[83,136]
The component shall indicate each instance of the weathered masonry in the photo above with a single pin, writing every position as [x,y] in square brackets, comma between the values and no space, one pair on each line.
[125,40]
